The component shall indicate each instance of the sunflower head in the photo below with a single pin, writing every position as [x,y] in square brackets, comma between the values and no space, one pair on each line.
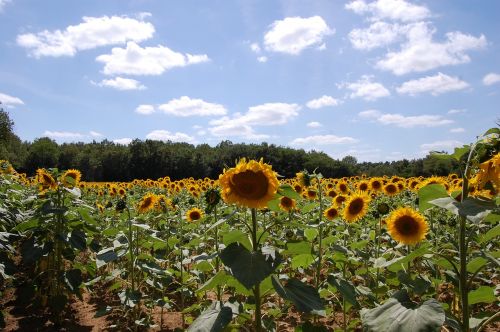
[376,184]
[287,203]
[251,183]
[356,207]
[194,214]
[331,213]
[6,167]
[45,179]
[147,203]
[304,178]
[407,226]
[311,193]
[71,177]
[391,189]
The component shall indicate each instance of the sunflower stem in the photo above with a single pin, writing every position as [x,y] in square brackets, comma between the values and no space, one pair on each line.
[217,259]
[256,289]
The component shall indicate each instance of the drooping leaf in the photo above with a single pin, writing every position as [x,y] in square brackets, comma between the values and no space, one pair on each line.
[214,319]
[429,193]
[78,239]
[473,209]
[305,297]
[249,267]
[398,313]
[288,191]
[73,279]
[345,288]
[130,298]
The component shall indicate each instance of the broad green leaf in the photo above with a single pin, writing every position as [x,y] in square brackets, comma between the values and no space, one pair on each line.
[249,267]
[308,207]
[73,279]
[130,298]
[305,297]
[345,288]
[236,236]
[396,264]
[400,314]
[429,193]
[217,280]
[297,248]
[288,191]
[492,131]
[460,152]
[476,263]
[214,319]
[491,234]
[302,260]
[78,239]
[105,256]
[311,234]
[27,225]
[483,294]
[274,205]
[473,209]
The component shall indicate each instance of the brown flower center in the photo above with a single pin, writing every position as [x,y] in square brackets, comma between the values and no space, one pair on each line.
[250,185]
[406,225]
[356,206]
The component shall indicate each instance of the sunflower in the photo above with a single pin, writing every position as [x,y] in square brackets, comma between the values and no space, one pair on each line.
[6,167]
[121,191]
[251,184]
[356,207]
[331,193]
[391,189]
[297,187]
[194,214]
[311,193]
[407,226]
[147,203]
[287,204]
[343,187]
[363,185]
[331,213]
[71,177]
[376,184]
[45,179]
[339,200]
[489,171]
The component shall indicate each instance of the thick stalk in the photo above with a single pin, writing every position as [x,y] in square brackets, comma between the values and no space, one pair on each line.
[131,251]
[181,236]
[320,245]
[217,259]
[256,289]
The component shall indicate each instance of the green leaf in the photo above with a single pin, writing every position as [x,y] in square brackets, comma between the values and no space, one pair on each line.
[86,216]
[473,209]
[309,327]
[492,131]
[305,297]
[130,298]
[460,152]
[491,234]
[429,193]
[400,314]
[249,267]
[78,239]
[296,248]
[483,294]
[274,205]
[302,260]
[214,319]
[217,280]
[236,236]
[73,279]
[345,288]
[105,256]
[476,263]
[27,225]
[311,234]
[308,207]
[396,264]
[288,191]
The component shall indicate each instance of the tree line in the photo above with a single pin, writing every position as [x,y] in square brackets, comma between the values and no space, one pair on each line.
[149,159]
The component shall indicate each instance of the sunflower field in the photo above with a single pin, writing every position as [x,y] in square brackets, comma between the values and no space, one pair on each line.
[251,251]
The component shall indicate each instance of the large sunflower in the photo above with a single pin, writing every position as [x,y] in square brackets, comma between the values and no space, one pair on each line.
[407,226]
[391,189]
[71,177]
[356,207]
[251,184]
[45,179]
[194,214]
[147,203]
[287,203]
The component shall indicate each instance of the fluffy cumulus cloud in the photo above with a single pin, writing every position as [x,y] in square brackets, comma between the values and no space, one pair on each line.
[447,146]
[123,141]
[323,140]
[185,106]
[314,124]
[10,101]
[145,109]
[365,88]
[421,53]
[294,34]
[269,114]
[165,135]
[436,85]
[491,79]
[378,34]
[91,33]
[323,101]
[397,10]
[136,60]
[120,83]
[403,121]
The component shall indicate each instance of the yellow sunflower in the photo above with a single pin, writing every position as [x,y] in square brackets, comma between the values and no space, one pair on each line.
[287,203]
[363,185]
[45,179]
[376,184]
[407,226]
[71,177]
[311,193]
[489,171]
[331,213]
[251,184]
[6,167]
[356,207]
[147,203]
[194,214]
[342,187]
[391,189]
[339,200]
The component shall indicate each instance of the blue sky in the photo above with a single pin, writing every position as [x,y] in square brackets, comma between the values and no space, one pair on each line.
[379,80]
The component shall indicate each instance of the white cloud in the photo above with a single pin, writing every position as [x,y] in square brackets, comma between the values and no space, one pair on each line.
[379,34]
[3,3]
[255,47]
[165,135]
[269,114]
[120,83]
[262,59]
[491,78]
[66,136]
[294,34]
[436,85]
[145,109]
[314,124]
[457,130]
[457,111]
[323,101]
[399,10]
[185,106]
[405,121]
[123,141]
[323,140]
[366,89]
[9,101]
[421,53]
[91,33]
[440,146]
[95,134]
[135,60]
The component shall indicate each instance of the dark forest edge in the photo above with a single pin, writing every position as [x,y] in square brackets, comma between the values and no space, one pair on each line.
[108,161]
